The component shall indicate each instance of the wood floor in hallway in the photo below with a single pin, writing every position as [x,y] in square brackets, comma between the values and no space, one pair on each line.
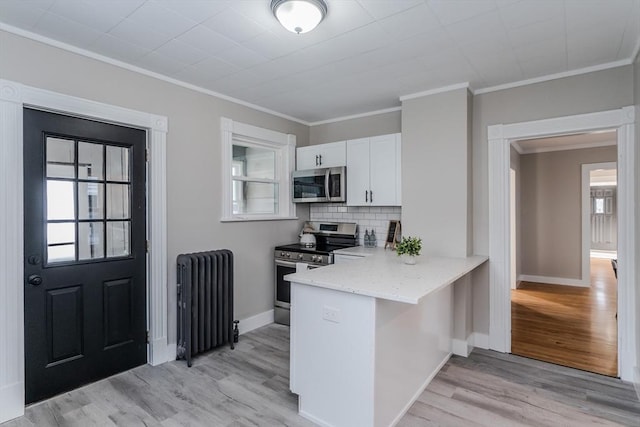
[568,325]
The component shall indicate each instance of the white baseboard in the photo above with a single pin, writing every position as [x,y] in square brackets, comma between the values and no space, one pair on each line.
[255,322]
[11,401]
[161,351]
[480,340]
[313,419]
[553,280]
[461,347]
[420,390]
[172,349]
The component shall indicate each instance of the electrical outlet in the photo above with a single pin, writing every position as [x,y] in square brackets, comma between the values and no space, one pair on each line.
[331,314]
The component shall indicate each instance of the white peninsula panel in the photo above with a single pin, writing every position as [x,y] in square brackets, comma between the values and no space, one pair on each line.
[367,337]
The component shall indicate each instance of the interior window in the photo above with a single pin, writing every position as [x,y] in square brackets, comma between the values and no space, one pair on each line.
[258,165]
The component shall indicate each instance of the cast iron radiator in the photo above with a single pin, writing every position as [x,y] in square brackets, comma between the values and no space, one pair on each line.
[205,302]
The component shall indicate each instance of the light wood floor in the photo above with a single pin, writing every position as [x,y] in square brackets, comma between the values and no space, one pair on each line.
[569,325]
[249,386]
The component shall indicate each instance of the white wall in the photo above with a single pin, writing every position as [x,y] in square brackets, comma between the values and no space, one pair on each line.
[598,91]
[193,160]
[379,124]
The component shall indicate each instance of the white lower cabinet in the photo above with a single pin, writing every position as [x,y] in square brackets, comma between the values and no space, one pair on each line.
[373,171]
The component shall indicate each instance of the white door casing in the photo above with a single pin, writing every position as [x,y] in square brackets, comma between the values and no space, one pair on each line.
[13,98]
[500,138]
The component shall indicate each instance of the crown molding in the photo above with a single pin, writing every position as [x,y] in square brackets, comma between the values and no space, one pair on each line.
[356,116]
[457,86]
[144,71]
[556,76]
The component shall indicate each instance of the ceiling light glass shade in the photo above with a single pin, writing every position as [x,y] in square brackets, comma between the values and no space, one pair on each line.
[299,16]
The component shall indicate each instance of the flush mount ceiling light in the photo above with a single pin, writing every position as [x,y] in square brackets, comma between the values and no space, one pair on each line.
[299,16]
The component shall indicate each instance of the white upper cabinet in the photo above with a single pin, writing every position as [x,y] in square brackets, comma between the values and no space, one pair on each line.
[321,156]
[373,171]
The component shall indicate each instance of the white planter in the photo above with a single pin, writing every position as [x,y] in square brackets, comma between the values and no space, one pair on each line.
[409,259]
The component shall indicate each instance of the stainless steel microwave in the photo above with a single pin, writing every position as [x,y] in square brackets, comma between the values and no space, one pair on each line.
[320,185]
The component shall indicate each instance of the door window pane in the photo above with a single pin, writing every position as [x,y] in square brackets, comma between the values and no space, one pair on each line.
[90,200]
[117,201]
[118,239]
[254,162]
[90,160]
[60,158]
[60,200]
[61,232]
[61,253]
[90,243]
[255,197]
[117,164]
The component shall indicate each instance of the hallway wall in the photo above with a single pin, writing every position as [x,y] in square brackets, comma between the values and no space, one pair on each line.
[551,194]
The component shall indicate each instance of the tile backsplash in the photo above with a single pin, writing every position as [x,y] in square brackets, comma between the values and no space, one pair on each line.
[367,217]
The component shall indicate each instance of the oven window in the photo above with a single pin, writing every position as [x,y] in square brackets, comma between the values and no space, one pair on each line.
[283,287]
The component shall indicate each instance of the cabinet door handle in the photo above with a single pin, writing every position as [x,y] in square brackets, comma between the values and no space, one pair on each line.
[366,196]
[317,160]
[320,159]
[371,196]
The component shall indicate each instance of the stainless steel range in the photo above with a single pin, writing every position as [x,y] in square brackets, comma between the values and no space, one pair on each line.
[330,236]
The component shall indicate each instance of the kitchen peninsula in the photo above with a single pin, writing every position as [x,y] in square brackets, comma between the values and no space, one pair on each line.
[367,336]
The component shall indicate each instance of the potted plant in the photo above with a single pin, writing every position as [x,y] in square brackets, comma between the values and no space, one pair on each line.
[410,247]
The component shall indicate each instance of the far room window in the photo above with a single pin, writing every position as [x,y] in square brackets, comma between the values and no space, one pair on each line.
[257,165]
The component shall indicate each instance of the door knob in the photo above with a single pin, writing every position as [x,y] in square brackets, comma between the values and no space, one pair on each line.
[34,280]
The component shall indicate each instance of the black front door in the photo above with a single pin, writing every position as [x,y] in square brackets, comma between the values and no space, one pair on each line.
[84,250]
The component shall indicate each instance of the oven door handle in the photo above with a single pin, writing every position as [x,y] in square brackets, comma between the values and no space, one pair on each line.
[286,263]
[293,264]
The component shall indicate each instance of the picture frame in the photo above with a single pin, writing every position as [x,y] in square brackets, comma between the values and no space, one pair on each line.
[393,234]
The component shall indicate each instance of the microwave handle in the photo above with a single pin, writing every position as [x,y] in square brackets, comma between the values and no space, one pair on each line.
[326,184]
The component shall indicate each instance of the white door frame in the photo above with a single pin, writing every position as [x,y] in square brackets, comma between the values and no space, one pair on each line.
[13,98]
[586,214]
[500,138]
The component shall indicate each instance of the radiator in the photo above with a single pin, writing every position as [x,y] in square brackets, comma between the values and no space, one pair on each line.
[205,302]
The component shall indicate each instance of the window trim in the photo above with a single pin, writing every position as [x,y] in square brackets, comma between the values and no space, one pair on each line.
[285,146]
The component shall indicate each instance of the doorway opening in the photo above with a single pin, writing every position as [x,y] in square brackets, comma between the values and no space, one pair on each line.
[563,303]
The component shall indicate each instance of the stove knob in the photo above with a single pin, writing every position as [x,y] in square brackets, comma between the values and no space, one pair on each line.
[300,256]
[314,258]
[282,253]
[288,255]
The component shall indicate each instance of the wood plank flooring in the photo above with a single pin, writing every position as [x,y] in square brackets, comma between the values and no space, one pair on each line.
[249,386]
[568,325]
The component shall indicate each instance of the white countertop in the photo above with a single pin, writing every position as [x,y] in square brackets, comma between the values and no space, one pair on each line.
[384,275]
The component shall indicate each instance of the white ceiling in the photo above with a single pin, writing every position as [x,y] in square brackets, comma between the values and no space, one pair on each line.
[361,58]
[566,142]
